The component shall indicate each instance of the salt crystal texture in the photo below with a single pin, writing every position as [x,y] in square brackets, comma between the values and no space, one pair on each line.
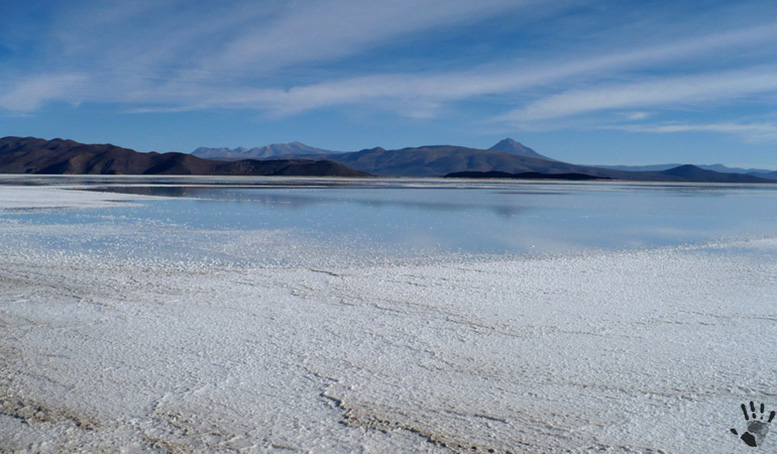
[648,351]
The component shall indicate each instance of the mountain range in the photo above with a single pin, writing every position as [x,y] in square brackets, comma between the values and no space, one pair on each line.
[38,156]
[507,158]
[432,161]
[293,150]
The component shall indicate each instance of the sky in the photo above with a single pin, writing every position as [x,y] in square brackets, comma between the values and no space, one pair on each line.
[588,82]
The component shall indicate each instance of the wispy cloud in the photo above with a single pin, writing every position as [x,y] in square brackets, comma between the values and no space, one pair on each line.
[636,115]
[29,94]
[426,93]
[668,92]
[158,55]
[215,53]
[245,42]
[406,92]
[751,132]
[320,31]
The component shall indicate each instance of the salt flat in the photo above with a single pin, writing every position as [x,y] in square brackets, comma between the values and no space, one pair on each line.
[636,351]
[38,197]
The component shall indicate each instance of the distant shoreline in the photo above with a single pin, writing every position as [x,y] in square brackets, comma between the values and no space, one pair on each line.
[526,176]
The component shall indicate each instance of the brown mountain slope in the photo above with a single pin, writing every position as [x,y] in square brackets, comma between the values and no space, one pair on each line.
[39,156]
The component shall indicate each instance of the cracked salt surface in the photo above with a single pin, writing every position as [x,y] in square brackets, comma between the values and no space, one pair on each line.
[648,351]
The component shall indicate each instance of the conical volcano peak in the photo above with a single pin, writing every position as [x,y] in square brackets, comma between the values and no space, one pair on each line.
[514,147]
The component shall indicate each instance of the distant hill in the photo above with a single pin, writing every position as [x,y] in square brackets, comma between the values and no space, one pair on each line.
[714,167]
[39,156]
[696,173]
[767,175]
[511,146]
[683,173]
[275,151]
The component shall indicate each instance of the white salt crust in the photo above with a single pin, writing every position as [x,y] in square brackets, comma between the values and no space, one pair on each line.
[610,352]
[38,197]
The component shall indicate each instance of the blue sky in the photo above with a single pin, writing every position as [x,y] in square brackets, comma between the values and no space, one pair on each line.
[593,82]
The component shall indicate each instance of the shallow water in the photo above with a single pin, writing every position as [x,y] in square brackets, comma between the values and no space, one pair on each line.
[410,218]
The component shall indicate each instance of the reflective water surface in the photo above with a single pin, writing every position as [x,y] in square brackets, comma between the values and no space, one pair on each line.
[413,216]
